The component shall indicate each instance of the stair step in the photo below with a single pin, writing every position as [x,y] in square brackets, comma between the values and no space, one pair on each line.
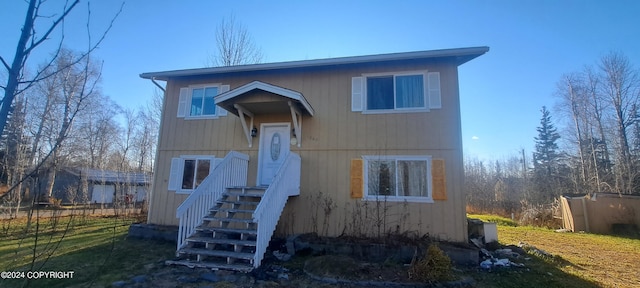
[243,194]
[217,253]
[239,202]
[259,188]
[247,243]
[222,241]
[231,210]
[227,230]
[209,218]
[211,265]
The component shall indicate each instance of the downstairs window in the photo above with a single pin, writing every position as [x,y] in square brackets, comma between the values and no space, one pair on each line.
[188,172]
[398,178]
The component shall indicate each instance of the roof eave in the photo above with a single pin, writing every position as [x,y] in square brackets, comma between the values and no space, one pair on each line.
[460,56]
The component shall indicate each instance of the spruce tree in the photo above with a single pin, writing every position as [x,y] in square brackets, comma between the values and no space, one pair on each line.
[546,158]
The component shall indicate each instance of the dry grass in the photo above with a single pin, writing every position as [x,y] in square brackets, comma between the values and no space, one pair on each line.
[607,261]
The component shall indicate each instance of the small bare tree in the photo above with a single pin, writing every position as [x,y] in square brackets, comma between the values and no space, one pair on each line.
[234,45]
[29,40]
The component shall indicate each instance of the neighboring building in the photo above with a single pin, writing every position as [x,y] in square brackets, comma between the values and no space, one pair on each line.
[102,187]
[366,145]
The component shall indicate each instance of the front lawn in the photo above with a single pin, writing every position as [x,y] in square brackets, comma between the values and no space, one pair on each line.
[97,251]
[94,248]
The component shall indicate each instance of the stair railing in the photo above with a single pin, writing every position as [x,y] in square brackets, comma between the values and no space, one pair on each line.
[232,171]
[285,183]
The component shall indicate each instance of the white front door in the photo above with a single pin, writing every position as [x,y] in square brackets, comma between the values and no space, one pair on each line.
[274,147]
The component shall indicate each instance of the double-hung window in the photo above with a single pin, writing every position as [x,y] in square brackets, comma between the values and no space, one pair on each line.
[198,101]
[188,172]
[398,178]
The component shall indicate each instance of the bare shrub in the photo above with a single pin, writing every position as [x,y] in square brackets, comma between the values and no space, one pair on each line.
[542,215]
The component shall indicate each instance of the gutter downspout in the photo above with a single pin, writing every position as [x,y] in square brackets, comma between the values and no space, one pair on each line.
[153,79]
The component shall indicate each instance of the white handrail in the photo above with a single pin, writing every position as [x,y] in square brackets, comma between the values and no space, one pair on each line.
[285,183]
[232,171]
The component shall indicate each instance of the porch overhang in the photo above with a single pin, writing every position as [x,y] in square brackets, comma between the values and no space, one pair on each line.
[260,98]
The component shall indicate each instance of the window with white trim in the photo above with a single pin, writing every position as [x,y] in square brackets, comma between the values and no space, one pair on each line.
[398,178]
[396,92]
[197,101]
[188,172]
[202,103]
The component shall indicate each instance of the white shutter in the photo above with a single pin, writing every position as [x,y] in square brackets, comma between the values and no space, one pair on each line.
[222,112]
[357,93]
[182,102]
[435,99]
[175,174]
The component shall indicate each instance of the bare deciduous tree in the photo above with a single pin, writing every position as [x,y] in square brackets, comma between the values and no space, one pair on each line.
[146,134]
[601,106]
[234,45]
[97,132]
[71,89]
[620,83]
[29,40]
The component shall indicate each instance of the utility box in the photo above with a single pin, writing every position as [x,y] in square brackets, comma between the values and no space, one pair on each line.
[490,232]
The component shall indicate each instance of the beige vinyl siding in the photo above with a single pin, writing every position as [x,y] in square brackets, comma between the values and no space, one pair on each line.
[329,140]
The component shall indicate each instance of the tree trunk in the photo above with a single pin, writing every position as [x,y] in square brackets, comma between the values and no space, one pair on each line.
[17,65]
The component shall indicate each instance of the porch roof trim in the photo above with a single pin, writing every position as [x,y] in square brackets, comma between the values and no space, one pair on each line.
[224,100]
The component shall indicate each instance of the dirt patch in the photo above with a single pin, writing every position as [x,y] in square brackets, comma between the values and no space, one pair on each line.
[347,268]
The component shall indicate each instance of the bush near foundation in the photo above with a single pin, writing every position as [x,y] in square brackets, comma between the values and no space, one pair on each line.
[435,265]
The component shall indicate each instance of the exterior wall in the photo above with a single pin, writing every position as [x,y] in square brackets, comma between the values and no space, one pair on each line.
[330,138]
[601,213]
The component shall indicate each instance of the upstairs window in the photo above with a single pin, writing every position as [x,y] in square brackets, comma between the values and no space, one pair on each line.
[198,101]
[395,92]
[202,103]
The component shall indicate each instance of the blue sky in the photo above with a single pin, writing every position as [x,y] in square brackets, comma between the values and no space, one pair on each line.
[532,44]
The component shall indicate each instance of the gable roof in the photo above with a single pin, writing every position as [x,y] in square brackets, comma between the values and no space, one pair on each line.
[225,100]
[458,56]
[106,176]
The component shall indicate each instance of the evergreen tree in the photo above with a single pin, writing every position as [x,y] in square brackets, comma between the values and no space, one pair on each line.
[546,159]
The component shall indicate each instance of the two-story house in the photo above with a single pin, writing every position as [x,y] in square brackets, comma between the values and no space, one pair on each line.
[361,146]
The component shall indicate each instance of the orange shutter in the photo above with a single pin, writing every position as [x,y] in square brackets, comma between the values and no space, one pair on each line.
[438,178]
[357,190]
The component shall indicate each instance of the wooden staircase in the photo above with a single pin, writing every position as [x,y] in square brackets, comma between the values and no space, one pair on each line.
[227,237]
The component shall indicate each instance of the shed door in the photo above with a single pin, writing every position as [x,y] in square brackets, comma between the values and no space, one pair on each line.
[274,147]
[102,194]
